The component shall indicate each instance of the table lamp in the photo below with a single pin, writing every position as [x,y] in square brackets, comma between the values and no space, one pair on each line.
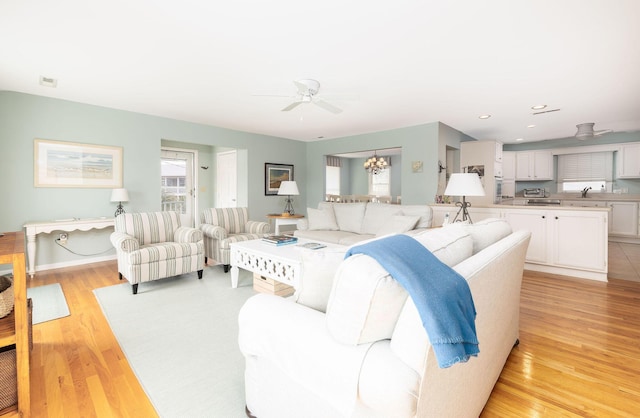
[288,188]
[119,195]
[464,184]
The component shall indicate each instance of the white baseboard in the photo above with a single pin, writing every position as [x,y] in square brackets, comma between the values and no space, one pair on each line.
[73,263]
[563,271]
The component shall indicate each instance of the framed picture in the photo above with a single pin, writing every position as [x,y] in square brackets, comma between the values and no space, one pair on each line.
[69,164]
[274,174]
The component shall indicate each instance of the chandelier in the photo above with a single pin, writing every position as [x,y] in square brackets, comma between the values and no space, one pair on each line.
[375,164]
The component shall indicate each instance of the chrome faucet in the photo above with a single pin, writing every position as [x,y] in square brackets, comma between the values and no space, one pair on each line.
[584,191]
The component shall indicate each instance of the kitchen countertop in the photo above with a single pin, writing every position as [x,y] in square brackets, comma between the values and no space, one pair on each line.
[525,207]
[597,196]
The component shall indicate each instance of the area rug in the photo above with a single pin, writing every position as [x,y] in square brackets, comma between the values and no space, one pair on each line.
[49,303]
[180,336]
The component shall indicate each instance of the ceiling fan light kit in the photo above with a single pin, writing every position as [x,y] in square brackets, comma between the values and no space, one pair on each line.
[307,91]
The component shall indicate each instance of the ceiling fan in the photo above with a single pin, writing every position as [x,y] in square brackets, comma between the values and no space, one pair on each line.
[585,130]
[307,89]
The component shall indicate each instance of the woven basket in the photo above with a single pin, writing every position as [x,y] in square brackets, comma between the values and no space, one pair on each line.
[8,378]
[6,296]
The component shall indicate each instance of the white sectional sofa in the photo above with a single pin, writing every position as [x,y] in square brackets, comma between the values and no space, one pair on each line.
[348,223]
[369,355]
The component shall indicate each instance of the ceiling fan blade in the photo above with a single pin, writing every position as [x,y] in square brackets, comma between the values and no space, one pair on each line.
[327,106]
[302,88]
[602,132]
[291,106]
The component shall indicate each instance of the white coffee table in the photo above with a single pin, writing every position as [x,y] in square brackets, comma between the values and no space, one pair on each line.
[281,263]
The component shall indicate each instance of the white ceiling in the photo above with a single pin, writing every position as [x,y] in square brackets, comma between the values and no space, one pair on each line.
[405,63]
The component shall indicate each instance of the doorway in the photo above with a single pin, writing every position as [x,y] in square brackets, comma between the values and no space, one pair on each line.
[179,183]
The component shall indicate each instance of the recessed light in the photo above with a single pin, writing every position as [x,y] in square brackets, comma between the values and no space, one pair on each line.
[484,116]
[48,81]
[538,107]
[531,126]
[519,139]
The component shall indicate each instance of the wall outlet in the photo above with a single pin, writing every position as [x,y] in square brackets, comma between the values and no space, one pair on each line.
[62,239]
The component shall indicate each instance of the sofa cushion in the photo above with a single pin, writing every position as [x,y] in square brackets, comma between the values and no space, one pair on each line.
[349,216]
[450,244]
[322,219]
[425,212]
[486,232]
[377,214]
[318,270]
[334,237]
[365,302]
[354,238]
[397,225]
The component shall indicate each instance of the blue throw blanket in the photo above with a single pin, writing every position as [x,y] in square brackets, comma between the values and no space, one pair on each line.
[442,296]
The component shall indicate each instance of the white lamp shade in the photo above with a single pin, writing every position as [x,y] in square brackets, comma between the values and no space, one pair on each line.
[464,184]
[119,195]
[289,188]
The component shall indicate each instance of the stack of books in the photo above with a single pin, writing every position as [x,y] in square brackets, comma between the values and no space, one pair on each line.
[280,239]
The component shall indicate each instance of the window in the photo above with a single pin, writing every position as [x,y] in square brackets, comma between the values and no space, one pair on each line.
[379,184]
[579,171]
[332,180]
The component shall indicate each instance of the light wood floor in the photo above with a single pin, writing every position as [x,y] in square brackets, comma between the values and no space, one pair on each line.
[579,352]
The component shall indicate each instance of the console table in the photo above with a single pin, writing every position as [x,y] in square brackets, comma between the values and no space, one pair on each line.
[66,225]
[14,328]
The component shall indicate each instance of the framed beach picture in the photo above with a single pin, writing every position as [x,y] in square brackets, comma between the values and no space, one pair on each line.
[70,164]
[274,174]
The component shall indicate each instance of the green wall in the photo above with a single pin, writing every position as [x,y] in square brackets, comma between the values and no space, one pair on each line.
[418,143]
[24,118]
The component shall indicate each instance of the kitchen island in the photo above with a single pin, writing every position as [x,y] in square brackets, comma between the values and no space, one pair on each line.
[565,240]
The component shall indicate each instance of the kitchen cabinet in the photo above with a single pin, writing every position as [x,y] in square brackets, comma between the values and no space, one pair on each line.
[534,165]
[628,161]
[580,239]
[536,222]
[623,218]
[568,242]
[508,165]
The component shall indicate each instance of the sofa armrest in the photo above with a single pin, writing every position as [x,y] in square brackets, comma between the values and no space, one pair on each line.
[295,339]
[185,234]
[257,227]
[124,242]
[213,231]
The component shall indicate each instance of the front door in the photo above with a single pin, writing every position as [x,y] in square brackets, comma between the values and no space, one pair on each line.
[179,183]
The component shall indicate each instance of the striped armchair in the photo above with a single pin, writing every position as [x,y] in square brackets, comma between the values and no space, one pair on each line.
[153,246]
[222,226]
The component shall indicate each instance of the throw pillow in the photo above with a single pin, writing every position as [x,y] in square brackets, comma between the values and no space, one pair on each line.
[365,302]
[321,219]
[397,225]
[318,270]
[349,216]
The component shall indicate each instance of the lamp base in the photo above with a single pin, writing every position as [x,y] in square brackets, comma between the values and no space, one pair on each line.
[288,208]
[465,213]
[119,210]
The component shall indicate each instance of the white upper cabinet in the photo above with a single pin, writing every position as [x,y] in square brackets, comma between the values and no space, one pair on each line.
[534,165]
[509,165]
[628,161]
